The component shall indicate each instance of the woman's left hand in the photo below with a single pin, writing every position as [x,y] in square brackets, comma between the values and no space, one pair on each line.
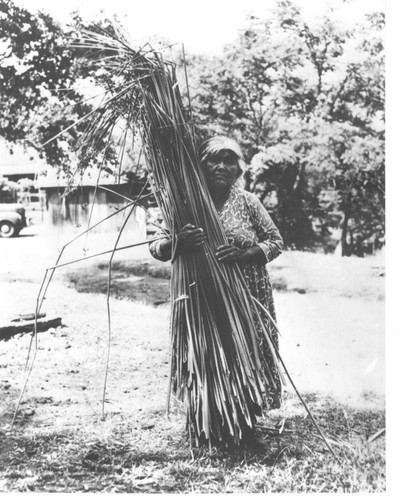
[230,253]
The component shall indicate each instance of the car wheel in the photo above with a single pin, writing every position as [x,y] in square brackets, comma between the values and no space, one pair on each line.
[7,229]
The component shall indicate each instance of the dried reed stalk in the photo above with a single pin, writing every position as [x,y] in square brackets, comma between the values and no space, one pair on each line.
[216,365]
[47,278]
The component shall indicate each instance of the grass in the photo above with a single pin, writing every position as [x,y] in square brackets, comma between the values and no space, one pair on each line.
[300,272]
[153,269]
[145,289]
[137,280]
[119,457]
[60,444]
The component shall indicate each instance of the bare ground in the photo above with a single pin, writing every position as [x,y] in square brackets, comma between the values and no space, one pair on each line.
[331,316]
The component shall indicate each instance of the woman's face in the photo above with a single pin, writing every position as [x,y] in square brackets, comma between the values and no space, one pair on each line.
[221,170]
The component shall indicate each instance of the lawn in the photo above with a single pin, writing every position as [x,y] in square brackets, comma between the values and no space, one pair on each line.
[331,315]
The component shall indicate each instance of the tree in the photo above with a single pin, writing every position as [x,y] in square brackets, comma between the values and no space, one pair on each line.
[8,191]
[307,105]
[39,83]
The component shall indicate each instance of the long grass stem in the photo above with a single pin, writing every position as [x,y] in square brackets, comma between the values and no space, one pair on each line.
[108,300]
[294,385]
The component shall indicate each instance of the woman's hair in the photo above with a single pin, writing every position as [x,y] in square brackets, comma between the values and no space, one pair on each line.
[215,145]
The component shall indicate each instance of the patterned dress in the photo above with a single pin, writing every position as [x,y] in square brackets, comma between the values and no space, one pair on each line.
[247,223]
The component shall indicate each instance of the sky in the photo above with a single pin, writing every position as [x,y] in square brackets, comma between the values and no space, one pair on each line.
[203,26]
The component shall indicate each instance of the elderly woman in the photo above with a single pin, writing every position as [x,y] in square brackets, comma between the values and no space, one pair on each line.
[253,238]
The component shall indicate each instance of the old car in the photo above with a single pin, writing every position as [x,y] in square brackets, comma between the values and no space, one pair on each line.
[12,219]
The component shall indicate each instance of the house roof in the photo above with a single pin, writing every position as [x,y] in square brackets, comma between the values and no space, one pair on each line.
[62,186]
[53,181]
[7,170]
[15,160]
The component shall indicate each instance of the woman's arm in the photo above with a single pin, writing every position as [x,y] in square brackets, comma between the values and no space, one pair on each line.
[269,244]
[269,238]
[161,249]
[188,238]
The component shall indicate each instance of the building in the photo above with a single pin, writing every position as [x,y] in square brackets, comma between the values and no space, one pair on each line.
[91,200]
[17,163]
[89,203]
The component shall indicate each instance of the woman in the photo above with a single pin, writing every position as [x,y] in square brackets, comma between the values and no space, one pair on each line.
[253,238]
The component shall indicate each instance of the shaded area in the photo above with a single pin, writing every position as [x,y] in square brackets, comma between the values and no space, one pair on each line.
[135,280]
[300,272]
[126,460]
[8,331]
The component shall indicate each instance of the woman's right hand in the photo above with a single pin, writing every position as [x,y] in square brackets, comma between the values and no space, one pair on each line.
[190,236]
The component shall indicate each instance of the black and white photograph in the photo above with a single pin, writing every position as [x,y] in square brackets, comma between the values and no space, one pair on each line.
[192,247]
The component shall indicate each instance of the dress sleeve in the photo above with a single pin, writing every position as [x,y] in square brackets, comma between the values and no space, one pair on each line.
[269,238]
[154,246]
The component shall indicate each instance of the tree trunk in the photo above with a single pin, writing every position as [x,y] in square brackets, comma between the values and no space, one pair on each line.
[247,181]
[347,208]
[294,222]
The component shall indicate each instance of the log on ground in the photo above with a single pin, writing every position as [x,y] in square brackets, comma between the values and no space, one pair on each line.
[8,331]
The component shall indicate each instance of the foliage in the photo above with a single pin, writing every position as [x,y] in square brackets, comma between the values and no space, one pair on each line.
[42,87]
[307,105]
[8,190]
[305,101]
[11,191]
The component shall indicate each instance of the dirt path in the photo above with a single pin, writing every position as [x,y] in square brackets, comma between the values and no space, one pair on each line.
[69,367]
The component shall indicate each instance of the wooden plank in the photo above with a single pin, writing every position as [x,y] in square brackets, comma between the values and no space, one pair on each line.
[8,331]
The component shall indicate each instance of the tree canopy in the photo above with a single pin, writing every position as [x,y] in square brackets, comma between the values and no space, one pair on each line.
[44,86]
[305,101]
[307,105]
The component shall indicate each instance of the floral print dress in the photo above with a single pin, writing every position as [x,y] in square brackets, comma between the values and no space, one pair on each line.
[247,223]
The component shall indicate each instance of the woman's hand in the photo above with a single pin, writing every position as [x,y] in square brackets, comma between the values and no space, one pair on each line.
[190,236]
[250,255]
[230,253]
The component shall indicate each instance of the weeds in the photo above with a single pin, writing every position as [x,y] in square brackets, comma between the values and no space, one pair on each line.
[125,459]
